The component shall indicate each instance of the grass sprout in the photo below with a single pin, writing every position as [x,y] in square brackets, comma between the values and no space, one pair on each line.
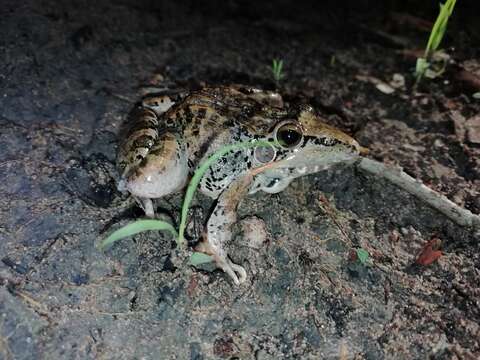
[138,227]
[150,224]
[362,255]
[436,35]
[198,258]
[277,68]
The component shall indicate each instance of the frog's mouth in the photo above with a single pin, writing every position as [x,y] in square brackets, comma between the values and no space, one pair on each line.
[278,175]
[307,161]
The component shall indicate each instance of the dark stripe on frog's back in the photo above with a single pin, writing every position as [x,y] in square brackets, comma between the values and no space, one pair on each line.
[224,100]
[233,106]
[138,118]
[197,117]
[142,124]
[202,121]
[215,113]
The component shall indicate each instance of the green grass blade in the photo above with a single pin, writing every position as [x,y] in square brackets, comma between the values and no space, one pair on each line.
[135,228]
[421,66]
[198,258]
[434,32]
[202,169]
[277,68]
[362,255]
[435,38]
[439,27]
[450,4]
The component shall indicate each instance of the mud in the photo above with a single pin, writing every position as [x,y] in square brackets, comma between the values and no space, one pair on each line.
[71,72]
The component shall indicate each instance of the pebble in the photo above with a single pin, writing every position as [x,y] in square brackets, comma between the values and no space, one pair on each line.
[472,127]
[254,231]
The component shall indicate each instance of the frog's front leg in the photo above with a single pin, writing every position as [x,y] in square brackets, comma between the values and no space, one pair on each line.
[219,227]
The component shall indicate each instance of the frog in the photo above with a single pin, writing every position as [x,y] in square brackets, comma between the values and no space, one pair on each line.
[167,136]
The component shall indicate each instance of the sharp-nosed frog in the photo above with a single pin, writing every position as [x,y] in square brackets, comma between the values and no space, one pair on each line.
[168,136]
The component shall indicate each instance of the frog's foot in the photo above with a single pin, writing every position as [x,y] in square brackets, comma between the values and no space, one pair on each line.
[146,205]
[232,270]
[236,272]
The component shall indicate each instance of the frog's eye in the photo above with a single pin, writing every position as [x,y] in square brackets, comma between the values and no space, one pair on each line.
[289,135]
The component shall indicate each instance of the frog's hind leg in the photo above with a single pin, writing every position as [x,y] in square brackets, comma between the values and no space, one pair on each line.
[163,171]
[218,230]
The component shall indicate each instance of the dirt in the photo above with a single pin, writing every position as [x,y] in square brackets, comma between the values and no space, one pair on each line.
[70,74]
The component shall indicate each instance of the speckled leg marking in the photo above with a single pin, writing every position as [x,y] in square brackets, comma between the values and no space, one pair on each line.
[218,230]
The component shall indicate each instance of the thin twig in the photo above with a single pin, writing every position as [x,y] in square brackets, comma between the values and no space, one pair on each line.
[460,216]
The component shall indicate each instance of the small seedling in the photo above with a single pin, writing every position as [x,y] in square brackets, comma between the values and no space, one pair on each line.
[150,224]
[198,258]
[333,60]
[362,255]
[436,35]
[277,68]
[135,228]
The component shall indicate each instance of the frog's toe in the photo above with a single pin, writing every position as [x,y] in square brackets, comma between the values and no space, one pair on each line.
[240,270]
[236,272]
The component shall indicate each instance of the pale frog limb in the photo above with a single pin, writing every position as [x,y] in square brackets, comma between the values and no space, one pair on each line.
[219,227]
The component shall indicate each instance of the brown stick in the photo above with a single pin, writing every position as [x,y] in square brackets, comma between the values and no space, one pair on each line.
[460,216]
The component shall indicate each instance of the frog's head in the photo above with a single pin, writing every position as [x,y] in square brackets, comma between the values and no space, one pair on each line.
[305,145]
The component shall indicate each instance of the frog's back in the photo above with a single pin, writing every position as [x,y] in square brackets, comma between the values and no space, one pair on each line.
[215,116]
[197,123]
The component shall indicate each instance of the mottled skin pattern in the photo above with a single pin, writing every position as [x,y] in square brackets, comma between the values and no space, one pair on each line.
[168,136]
